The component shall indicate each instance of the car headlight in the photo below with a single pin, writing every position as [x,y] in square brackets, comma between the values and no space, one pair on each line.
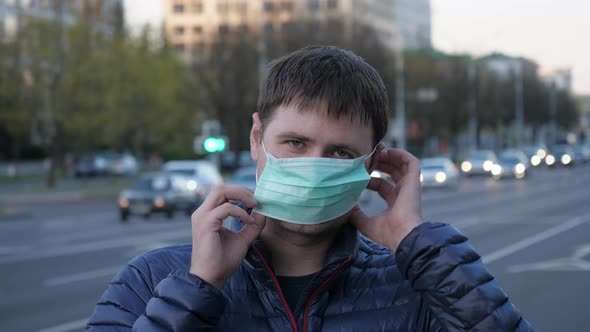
[123,202]
[159,202]
[519,168]
[466,166]
[541,153]
[488,165]
[535,160]
[440,177]
[549,160]
[496,169]
[566,159]
[191,185]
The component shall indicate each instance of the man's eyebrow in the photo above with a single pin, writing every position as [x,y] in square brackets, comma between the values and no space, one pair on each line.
[292,134]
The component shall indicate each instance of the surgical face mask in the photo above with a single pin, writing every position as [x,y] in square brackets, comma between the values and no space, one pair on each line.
[310,190]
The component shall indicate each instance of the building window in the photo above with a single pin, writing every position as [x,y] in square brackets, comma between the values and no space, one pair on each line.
[179,8]
[268,29]
[332,4]
[287,6]
[223,29]
[179,31]
[313,4]
[288,26]
[269,6]
[197,29]
[242,7]
[243,28]
[197,7]
[223,7]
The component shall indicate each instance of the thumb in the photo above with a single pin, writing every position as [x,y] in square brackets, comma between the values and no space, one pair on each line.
[358,218]
[250,232]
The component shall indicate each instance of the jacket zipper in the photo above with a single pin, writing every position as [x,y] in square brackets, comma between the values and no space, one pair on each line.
[278,287]
[316,291]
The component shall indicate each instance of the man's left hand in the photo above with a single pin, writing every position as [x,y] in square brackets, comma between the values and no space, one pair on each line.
[403,198]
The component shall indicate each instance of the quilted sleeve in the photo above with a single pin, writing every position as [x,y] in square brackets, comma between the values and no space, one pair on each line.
[456,288]
[180,302]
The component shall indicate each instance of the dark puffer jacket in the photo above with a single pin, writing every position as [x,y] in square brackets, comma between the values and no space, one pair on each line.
[435,282]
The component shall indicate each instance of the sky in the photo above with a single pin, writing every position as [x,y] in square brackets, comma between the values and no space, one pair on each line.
[551,32]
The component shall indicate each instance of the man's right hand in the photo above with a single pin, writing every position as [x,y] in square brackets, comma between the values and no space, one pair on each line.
[217,251]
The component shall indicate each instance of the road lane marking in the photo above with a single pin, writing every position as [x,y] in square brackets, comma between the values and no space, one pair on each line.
[574,263]
[77,277]
[67,327]
[532,240]
[98,246]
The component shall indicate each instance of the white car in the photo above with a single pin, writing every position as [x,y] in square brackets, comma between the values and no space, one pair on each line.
[479,162]
[201,175]
[439,172]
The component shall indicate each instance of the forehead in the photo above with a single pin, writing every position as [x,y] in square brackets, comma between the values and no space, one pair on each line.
[316,124]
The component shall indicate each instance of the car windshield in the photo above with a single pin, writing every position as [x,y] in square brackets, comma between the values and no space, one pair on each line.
[480,155]
[509,160]
[150,184]
[433,168]
[186,171]
[560,148]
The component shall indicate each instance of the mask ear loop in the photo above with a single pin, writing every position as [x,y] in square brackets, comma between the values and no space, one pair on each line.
[266,154]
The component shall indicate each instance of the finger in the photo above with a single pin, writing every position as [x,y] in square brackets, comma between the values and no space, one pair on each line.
[250,232]
[225,193]
[392,160]
[385,189]
[214,219]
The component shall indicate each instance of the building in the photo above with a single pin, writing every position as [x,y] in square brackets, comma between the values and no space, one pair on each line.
[192,24]
[104,13]
[561,77]
[413,20]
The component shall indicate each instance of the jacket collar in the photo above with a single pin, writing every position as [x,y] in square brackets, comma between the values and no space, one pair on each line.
[338,260]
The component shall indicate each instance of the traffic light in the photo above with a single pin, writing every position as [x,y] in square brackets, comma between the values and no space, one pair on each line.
[214,144]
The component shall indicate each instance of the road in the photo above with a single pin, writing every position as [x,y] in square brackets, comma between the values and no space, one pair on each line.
[532,234]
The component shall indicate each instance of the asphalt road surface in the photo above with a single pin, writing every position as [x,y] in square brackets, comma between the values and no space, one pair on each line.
[534,235]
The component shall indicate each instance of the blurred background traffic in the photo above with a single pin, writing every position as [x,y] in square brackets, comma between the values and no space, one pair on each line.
[117,117]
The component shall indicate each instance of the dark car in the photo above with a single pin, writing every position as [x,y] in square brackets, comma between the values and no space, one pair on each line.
[561,154]
[512,165]
[154,193]
[245,177]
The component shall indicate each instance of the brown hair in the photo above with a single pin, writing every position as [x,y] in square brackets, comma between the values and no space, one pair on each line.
[326,74]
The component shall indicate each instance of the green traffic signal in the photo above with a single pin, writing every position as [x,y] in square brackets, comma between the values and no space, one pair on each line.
[214,144]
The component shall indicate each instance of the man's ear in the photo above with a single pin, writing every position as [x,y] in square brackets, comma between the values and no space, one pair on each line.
[255,135]
[375,157]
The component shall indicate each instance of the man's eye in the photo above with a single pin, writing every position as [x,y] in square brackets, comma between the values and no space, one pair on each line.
[343,154]
[295,143]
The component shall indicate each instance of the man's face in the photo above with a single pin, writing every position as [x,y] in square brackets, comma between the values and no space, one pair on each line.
[291,133]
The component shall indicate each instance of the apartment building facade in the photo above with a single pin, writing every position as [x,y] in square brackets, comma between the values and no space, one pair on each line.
[192,24]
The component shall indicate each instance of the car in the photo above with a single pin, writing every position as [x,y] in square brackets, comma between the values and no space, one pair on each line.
[535,153]
[479,162]
[511,165]
[202,175]
[150,193]
[439,172]
[560,154]
[124,164]
[518,154]
[245,177]
[91,165]
[582,153]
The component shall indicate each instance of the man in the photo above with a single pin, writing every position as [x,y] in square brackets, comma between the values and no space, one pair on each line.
[297,262]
